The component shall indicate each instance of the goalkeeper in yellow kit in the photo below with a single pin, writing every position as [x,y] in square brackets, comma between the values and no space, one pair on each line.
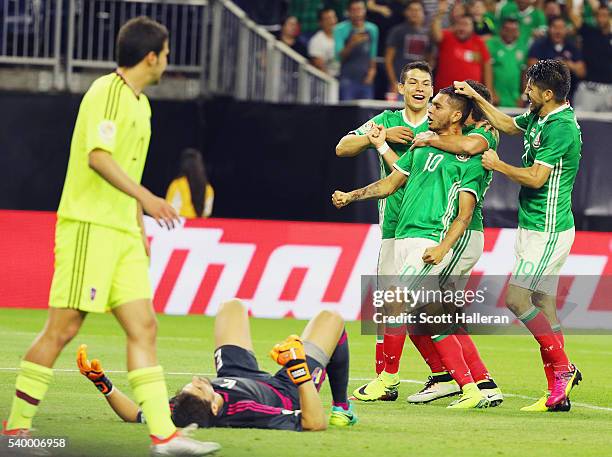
[242,395]
[101,251]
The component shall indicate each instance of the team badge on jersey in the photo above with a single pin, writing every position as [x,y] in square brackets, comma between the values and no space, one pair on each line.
[107,131]
[536,141]
[365,128]
[462,157]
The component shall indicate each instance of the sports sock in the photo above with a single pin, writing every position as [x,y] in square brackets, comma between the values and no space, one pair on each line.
[380,355]
[550,345]
[548,366]
[151,395]
[472,357]
[451,354]
[395,336]
[338,372]
[428,351]
[30,388]
[557,330]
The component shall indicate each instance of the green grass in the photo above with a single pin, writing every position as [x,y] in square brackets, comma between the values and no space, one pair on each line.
[74,409]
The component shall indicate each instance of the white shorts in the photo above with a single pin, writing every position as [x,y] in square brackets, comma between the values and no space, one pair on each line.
[386,260]
[539,258]
[466,253]
[409,259]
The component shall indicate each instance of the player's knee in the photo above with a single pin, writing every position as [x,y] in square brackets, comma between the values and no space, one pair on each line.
[515,300]
[232,306]
[60,337]
[145,330]
[332,317]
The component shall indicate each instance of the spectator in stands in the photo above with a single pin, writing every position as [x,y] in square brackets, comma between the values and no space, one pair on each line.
[385,14]
[457,11]
[289,34]
[407,42]
[484,26]
[461,54]
[306,13]
[531,18]
[356,42]
[552,9]
[595,94]
[321,47]
[339,6]
[556,46]
[509,59]
[190,193]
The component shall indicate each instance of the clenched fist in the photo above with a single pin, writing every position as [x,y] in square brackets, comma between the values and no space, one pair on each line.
[340,199]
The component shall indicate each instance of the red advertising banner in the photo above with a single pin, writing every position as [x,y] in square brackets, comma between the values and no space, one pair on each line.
[278,268]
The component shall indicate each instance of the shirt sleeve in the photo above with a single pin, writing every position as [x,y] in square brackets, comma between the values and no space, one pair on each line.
[341,33]
[490,136]
[522,121]
[101,121]
[366,127]
[404,163]
[473,179]
[553,144]
[314,47]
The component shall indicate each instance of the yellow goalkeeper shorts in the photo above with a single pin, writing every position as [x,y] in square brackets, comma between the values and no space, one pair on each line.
[97,268]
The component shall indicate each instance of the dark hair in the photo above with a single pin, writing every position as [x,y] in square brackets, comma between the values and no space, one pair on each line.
[410,2]
[418,65]
[352,2]
[136,38]
[554,19]
[512,19]
[482,90]
[461,102]
[188,409]
[322,11]
[192,168]
[551,74]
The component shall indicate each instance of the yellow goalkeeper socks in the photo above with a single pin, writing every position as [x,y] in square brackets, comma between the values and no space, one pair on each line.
[32,383]
[151,395]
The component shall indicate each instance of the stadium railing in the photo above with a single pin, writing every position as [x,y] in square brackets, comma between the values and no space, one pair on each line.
[213,44]
[248,62]
[30,34]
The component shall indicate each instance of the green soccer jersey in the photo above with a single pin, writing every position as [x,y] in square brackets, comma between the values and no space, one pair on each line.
[492,139]
[530,19]
[554,141]
[435,179]
[509,60]
[388,209]
[112,118]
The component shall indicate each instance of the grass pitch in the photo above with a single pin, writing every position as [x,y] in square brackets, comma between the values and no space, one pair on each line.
[74,409]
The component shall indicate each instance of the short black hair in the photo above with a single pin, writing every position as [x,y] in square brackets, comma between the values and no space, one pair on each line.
[189,409]
[554,19]
[461,102]
[417,65]
[322,11]
[482,90]
[551,74]
[410,2]
[137,37]
[352,2]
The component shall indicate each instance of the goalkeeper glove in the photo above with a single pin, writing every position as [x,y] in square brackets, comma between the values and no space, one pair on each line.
[93,371]
[290,354]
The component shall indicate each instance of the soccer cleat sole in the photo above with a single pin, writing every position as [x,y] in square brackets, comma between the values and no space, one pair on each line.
[424,402]
[564,407]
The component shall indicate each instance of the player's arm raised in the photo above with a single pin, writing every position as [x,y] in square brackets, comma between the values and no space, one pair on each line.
[455,144]
[123,406]
[499,120]
[103,163]
[467,203]
[534,176]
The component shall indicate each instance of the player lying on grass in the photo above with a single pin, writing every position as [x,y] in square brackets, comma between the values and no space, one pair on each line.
[243,396]
[426,233]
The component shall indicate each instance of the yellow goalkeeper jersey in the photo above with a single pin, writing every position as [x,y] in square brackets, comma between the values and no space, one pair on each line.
[112,118]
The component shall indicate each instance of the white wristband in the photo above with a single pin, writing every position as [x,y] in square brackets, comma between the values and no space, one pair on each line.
[384,148]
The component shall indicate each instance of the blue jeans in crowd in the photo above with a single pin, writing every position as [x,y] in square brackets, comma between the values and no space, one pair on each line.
[353,90]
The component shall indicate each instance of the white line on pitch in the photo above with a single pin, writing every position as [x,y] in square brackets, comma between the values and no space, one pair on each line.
[407,381]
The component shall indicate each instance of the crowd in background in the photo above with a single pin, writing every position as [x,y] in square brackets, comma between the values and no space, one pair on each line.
[366,43]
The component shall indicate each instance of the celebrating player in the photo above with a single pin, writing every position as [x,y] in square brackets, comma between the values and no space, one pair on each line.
[244,396]
[426,233]
[545,234]
[401,126]
[101,250]
[466,253]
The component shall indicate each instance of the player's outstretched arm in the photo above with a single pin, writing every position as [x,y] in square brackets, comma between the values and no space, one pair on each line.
[467,203]
[377,190]
[103,163]
[455,144]
[499,120]
[123,406]
[534,176]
